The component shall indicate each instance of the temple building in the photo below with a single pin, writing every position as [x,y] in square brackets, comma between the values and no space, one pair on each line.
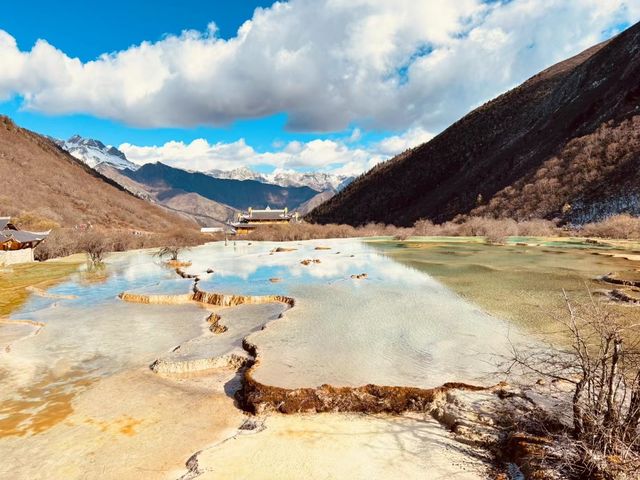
[16,246]
[251,219]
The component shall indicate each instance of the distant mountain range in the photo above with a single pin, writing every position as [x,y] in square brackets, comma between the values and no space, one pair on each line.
[318,181]
[210,198]
[565,144]
[238,194]
[94,152]
[204,196]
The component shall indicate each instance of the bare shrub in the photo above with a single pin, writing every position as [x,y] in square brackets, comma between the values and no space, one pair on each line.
[617,226]
[310,231]
[173,252]
[60,243]
[302,231]
[95,245]
[537,228]
[63,242]
[425,227]
[602,365]
[67,241]
[123,241]
[178,240]
[494,230]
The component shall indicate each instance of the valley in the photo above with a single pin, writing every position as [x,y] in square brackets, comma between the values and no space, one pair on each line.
[323,240]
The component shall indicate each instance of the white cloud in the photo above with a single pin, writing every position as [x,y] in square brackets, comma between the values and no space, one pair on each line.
[335,156]
[356,135]
[327,63]
[399,143]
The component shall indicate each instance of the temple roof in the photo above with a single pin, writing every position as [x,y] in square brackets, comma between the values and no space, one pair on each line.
[23,237]
[9,232]
[267,215]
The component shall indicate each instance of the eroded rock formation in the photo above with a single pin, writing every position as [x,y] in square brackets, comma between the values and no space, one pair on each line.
[201,296]
[191,365]
[214,324]
[309,261]
[179,299]
[225,300]
[257,398]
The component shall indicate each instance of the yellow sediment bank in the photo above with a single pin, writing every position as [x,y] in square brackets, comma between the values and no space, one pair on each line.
[177,264]
[257,398]
[42,405]
[37,326]
[157,299]
[149,432]
[224,300]
[44,294]
[7,321]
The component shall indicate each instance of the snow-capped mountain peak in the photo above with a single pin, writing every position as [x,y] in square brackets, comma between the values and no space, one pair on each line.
[321,182]
[318,181]
[94,152]
[240,173]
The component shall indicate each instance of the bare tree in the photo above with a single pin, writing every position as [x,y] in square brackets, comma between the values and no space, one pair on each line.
[94,244]
[171,251]
[601,363]
[177,241]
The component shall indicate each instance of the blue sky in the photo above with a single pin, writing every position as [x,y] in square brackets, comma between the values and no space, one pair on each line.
[306,85]
[87,29]
[83,30]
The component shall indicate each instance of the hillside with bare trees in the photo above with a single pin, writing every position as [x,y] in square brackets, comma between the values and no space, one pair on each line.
[45,187]
[563,145]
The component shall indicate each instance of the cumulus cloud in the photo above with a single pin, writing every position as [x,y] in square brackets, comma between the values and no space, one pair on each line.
[334,156]
[399,143]
[327,64]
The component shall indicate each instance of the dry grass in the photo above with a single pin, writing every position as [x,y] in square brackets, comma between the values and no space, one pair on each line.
[494,230]
[64,242]
[14,281]
[310,231]
[618,226]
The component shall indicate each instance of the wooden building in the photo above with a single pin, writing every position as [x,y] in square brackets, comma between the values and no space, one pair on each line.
[16,246]
[251,219]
